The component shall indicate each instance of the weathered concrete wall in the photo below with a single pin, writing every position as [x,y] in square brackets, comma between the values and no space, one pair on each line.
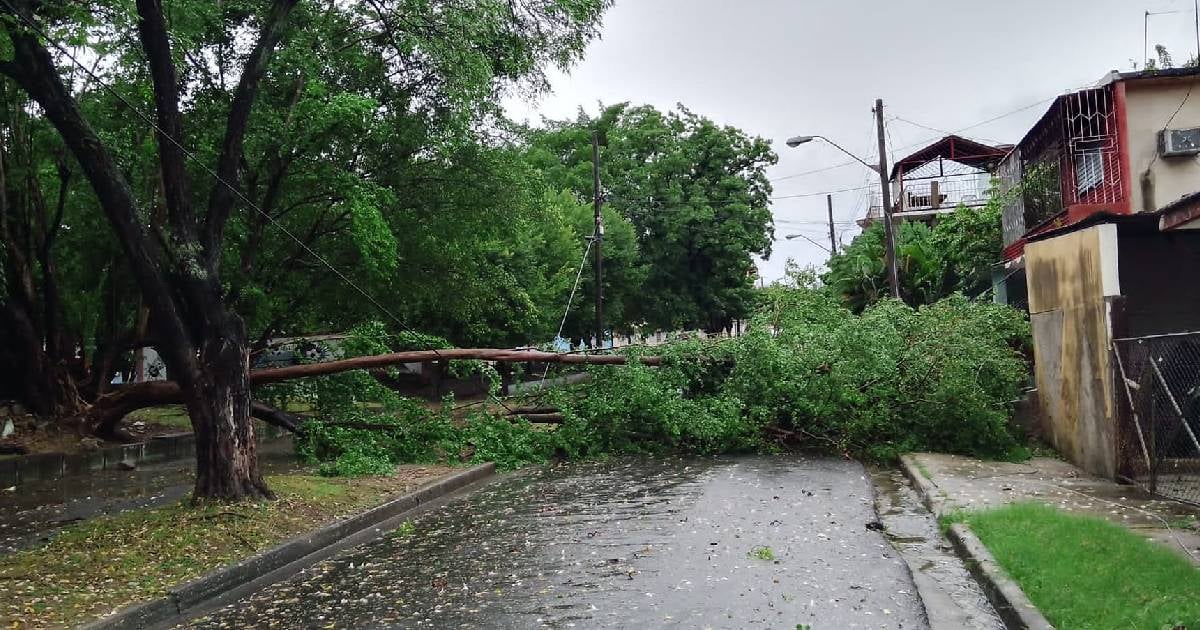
[1149,105]
[1071,280]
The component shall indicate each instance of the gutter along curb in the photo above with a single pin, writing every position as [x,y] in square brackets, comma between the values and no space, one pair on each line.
[229,583]
[1006,596]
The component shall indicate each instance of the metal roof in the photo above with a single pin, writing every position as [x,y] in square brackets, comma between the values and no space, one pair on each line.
[956,148]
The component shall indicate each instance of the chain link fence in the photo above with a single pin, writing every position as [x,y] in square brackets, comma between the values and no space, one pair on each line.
[1158,383]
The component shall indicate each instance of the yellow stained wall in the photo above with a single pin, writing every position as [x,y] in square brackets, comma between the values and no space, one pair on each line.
[1149,104]
[1071,278]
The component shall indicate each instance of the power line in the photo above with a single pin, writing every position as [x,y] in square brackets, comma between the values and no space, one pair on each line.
[204,167]
[820,194]
[917,144]
[801,222]
[722,202]
[1005,115]
[813,171]
[934,129]
[570,298]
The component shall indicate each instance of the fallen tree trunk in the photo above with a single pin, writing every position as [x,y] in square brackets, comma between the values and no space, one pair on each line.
[276,417]
[106,413]
[105,416]
[274,375]
[521,411]
[540,418]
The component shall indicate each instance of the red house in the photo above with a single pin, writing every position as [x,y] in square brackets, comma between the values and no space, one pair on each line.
[1127,145]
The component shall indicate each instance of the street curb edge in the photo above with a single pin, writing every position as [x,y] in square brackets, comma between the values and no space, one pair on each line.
[927,490]
[1010,602]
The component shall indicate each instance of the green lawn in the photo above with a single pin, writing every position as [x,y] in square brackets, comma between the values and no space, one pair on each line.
[1087,573]
[167,415]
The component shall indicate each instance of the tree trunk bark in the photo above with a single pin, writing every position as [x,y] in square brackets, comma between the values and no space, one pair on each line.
[219,407]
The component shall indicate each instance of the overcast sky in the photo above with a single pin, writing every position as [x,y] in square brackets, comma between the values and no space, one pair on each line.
[777,68]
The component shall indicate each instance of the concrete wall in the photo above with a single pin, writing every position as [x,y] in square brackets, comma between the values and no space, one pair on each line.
[1149,105]
[1072,279]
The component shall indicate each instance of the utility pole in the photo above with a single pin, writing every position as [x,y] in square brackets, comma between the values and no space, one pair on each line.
[832,238]
[886,194]
[599,240]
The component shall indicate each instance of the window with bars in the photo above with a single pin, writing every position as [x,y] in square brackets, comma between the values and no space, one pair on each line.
[1089,166]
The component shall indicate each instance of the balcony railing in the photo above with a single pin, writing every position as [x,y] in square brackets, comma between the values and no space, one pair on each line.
[946,193]
[932,197]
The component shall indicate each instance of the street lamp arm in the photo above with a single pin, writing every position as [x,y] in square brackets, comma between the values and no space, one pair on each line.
[823,247]
[873,167]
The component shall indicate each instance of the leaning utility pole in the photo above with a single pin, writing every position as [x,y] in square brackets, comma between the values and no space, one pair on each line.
[832,238]
[598,243]
[886,193]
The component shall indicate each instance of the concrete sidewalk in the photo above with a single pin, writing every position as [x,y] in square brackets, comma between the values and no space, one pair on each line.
[951,482]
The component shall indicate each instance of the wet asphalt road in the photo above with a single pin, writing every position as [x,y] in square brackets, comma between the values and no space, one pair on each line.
[628,543]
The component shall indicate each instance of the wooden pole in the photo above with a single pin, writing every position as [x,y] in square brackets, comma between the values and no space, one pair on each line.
[832,238]
[886,198]
[598,235]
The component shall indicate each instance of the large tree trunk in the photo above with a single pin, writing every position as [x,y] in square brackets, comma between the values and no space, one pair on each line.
[201,342]
[219,407]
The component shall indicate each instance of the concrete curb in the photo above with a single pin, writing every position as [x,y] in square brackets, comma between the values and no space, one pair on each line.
[928,491]
[1010,602]
[234,581]
[1006,596]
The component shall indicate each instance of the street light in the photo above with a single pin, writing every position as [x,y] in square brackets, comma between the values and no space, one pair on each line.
[796,141]
[805,237]
[885,192]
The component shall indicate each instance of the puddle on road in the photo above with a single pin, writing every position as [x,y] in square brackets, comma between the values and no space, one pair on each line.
[37,510]
[953,599]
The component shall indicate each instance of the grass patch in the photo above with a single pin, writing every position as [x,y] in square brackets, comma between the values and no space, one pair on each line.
[97,566]
[167,415]
[1085,572]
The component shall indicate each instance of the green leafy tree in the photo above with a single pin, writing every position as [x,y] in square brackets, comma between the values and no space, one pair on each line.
[623,271]
[238,84]
[696,194]
[957,254]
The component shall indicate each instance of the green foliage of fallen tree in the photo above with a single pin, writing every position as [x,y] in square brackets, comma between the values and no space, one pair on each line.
[809,374]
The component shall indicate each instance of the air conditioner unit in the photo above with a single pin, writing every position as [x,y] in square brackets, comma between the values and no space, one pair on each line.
[1178,142]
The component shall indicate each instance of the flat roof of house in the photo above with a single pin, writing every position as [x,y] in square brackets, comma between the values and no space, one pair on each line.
[1141,222]
[1141,75]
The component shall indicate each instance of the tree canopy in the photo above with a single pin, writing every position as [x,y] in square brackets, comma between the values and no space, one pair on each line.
[203,177]
[956,255]
[696,194]
[233,155]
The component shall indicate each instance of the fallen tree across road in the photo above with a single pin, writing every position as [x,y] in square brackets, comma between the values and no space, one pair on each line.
[105,415]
